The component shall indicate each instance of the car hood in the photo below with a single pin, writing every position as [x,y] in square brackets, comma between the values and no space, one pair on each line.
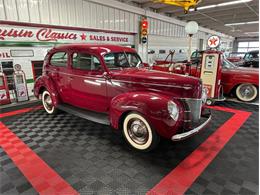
[180,85]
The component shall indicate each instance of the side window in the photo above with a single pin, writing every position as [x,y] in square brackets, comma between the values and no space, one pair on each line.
[110,60]
[162,51]
[84,61]
[59,59]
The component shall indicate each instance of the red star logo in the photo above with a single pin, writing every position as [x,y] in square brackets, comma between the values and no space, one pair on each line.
[213,41]
[83,36]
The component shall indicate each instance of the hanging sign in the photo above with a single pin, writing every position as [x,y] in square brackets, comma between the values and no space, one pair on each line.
[36,34]
[213,41]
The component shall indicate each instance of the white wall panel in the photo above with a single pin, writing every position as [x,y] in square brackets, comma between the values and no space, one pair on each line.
[137,22]
[33,7]
[122,20]
[54,12]
[131,22]
[111,12]
[106,17]
[127,22]
[22,10]
[87,12]
[93,18]
[63,10]
[44,11]
[117,20]
[79,13]
[11,11]
[93,14]
[71,12]
[2,10]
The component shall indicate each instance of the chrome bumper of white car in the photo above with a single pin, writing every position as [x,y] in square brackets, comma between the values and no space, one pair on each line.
[191,132]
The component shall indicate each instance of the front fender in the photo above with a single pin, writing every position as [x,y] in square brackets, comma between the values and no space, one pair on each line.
[152,106]
[45,82]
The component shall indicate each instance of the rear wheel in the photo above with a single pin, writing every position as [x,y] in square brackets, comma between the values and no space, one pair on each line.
[47,103]
[139,133]
[246,92]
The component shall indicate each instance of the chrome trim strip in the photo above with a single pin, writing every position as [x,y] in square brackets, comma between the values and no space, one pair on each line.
[181,136]
[160,85]
[87,77]
[122,81]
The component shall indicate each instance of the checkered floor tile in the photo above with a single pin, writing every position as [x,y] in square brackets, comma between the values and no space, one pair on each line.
[235,169]
[94,159]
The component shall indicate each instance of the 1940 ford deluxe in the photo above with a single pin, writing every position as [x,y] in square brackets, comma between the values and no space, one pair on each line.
[109,84]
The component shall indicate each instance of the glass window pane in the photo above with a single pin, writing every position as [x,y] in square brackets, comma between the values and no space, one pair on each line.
[243,44]
[253,44]
[59,59]
[81,61]
[253,48]
[242,50]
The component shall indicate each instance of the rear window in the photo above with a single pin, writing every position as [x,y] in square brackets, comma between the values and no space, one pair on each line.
[59,59]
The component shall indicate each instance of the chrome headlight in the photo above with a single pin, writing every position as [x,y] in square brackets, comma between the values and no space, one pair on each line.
[173,110]
[204,95]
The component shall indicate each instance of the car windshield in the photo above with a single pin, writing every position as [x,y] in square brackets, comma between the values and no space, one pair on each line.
[227,64]
[121,60]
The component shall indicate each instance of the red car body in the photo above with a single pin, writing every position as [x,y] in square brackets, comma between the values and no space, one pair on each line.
[120,91]
[232,76]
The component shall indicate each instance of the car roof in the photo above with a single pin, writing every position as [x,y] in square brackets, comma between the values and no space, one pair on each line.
[99,49]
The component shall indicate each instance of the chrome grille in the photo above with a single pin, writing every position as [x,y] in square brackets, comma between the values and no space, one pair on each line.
[194,106]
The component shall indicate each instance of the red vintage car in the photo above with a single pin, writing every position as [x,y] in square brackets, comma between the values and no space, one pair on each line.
[238,81]
[108,84]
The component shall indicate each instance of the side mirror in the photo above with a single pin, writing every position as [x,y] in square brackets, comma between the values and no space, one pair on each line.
[107,75]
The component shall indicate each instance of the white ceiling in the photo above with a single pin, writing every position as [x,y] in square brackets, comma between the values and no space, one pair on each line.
[213,18]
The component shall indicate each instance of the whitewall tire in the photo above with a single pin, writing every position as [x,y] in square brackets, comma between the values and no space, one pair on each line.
[47,103]
[139,133]
[246,92]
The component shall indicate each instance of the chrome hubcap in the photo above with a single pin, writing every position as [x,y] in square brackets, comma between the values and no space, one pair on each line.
[47,102]
[247,91]
[137,131]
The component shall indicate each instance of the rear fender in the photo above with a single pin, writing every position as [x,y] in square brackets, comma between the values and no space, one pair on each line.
[47,83]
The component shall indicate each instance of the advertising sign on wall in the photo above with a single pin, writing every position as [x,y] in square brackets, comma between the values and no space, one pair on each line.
[38,34]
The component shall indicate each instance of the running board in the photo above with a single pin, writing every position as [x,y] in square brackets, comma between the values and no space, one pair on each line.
[101,118]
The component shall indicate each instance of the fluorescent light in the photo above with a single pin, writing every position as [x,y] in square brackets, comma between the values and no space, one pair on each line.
[233,2]
[253,22]
[207,7]
[222,4]
[248,33]
[242,23]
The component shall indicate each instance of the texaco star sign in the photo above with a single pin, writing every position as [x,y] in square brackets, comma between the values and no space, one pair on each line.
[213,41]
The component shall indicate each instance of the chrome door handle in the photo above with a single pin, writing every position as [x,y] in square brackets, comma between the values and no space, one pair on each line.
[70,78]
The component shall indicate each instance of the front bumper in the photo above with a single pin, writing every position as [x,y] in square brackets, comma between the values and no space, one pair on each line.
[205,119]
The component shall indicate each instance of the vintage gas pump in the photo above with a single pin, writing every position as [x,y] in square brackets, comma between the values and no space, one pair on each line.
[210,74]
[20,84]
[4,90]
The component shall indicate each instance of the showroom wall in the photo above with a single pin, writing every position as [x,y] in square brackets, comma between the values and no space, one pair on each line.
[92,18]
[105,15]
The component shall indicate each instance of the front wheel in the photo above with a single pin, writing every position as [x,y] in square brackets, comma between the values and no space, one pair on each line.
[139,133]
[246,92]
[47,103]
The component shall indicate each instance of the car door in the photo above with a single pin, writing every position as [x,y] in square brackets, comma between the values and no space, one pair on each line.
[58,72]
[87,82]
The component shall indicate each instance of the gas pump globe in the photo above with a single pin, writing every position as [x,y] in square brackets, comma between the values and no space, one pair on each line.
[191,28]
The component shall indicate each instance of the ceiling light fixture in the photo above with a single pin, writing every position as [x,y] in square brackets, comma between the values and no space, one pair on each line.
[248,33]
[242,23]
[222,4]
